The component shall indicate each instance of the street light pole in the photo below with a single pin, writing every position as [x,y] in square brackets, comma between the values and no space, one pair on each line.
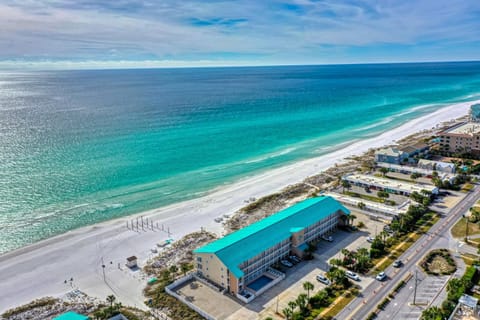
[103,269]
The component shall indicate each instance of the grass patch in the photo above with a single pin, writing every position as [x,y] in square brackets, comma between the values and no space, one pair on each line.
[467,187]
[469,258]
[406,241]
[339,305]
[458,230]
[370,198]
[400,179]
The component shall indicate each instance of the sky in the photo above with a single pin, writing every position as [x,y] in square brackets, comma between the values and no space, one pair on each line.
[179,33]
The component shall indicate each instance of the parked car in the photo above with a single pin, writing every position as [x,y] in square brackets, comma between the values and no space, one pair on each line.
[327,238]
[381,276]
[397,263]
[294,258]
[370,239]
[286,263]
[352,275]
[323,280]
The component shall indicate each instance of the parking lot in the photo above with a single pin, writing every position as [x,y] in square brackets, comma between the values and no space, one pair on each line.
[402,307]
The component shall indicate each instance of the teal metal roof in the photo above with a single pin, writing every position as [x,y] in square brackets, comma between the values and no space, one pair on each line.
[70,315]
[248,242]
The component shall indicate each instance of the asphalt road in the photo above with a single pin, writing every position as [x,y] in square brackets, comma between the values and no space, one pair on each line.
[371,296]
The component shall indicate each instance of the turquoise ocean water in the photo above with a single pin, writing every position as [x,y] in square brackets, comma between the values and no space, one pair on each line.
[79,147]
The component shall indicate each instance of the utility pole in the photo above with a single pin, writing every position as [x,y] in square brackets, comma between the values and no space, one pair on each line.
[415,288]
[466,229]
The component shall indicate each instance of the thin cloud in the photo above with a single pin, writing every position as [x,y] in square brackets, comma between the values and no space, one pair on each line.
[259,31]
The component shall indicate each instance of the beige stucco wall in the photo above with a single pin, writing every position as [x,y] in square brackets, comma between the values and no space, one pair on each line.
[212,268]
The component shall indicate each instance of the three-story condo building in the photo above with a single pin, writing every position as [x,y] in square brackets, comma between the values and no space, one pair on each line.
[240,262]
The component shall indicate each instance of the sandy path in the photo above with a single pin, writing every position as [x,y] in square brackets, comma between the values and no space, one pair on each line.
[40,269]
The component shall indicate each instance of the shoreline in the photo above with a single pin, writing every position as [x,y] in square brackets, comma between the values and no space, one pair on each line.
[112,241]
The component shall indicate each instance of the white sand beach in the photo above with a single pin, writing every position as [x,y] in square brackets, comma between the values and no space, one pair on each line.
[41,269]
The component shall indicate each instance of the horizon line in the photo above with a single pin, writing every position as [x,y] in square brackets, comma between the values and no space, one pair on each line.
[42,65]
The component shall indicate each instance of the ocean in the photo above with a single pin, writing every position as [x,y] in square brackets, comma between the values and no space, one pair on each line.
[81,147]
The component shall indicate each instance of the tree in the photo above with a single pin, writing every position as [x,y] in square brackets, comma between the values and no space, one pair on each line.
[432,313]
[383,235]
[351,217]
[302,302]
[99,314]
[184,267]
[165,275]
[287,313]
[361,205]
[346,185]
[384,171]
[378,248]
[308,286]
[382,194]
[337,275]
[173,269]
[111,299]
[414,176]
[363,260]
[292,305]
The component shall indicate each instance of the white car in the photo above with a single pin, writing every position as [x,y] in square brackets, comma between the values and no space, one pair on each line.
[352,275]
[286,263]
[370,239]
[327,238]
[381,276]
[323,280]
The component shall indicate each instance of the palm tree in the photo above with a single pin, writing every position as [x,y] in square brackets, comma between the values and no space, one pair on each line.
[432,313]
[118,306]
[308,286]
[111,299]
[287,313]
[99,314]
[292,305]
[384,171]
[302,301]
[351,217]
[384,235]
[361,205]
[346,185]
[336,275]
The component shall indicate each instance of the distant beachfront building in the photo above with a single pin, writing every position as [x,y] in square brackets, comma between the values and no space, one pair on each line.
[399,155]
[474,113]
[462,137]
[390,155]
[240,262]
[416,149]
[439,166]
[374,209]
[422,169]
[391,186]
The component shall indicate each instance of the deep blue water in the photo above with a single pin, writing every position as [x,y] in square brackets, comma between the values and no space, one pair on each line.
[79,147]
